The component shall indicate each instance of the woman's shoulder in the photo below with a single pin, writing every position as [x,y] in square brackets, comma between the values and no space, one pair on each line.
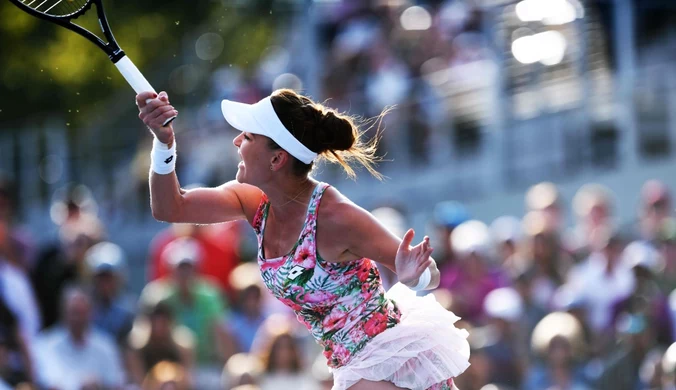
[247,193]
[338,210]
[250,197]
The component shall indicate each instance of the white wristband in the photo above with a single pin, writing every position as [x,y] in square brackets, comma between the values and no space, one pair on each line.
[163,158]
[423,281]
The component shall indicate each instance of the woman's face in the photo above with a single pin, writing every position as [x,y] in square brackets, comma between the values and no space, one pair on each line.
[560,351]
[255,155]
[160,326]
[284,354]
[598,215]
[251,301]
[541,247]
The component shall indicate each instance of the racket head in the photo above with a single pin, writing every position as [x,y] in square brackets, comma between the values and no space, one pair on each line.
[54,9]
[62,12]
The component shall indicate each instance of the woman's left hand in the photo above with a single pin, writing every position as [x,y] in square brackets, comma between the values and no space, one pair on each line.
[411,262]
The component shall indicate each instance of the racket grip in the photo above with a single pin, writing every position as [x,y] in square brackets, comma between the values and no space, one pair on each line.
[133,76]
[136,79]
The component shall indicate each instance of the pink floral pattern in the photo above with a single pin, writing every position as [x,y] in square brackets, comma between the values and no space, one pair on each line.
[445,385]
[342,304]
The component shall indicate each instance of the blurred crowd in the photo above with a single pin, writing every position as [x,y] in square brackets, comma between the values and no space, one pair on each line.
[430,61]
[550,307]
[427,60]
[547,305]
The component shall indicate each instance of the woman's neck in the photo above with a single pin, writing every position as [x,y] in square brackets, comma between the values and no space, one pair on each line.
[287,197]
[561,376]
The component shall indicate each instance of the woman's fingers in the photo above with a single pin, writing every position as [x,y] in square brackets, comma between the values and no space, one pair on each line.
[424,256]
[149,111]
[422,249]
[164,118]
[406,241]
[422,266]
[160,111]
[142,97]
[426,244]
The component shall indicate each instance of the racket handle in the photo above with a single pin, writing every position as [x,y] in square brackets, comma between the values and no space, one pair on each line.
[135,78]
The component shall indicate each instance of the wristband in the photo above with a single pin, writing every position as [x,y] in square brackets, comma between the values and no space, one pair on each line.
[423,281]
[163,158]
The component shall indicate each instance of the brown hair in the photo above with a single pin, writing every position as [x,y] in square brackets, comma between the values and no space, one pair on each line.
[333,136]
[271,363]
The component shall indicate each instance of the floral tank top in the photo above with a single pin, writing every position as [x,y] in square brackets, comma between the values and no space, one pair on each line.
[343,305]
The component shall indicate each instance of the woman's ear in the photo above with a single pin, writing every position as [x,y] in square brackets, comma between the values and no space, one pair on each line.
[278,160]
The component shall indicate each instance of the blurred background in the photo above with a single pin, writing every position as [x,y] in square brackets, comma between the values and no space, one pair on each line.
[533,140]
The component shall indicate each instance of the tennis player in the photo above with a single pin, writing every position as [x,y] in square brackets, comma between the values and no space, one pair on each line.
[316,249]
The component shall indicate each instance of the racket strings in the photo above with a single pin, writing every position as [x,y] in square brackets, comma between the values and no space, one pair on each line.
[56,7]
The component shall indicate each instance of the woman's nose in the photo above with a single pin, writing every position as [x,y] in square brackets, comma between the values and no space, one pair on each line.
[237,140]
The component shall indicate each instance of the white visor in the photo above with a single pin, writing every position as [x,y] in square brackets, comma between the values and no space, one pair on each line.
[261,118]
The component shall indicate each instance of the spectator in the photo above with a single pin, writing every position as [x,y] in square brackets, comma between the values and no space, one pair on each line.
[655,209]
[16,242]
[478,373]
[601,282]
[62,263]
[16,290]
[547,263]
[544,198]
[112,310]
[621,368]
[246,387]
[507,236]
[646,298]
[504,308]
[476,275]
[248,314]
[669,368]
[283,365]
[166,376]
[17,293]
[158,340]
[16,362]
[532,311]
[571,302]
[447,216]
[558,340]
[219,248]
[593,207]
[650,372]
[667,248]
[242,369]
[196,303]
[76,356]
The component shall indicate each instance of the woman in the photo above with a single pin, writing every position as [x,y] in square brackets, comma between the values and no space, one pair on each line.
[317,260]
[155,342]
[284,368]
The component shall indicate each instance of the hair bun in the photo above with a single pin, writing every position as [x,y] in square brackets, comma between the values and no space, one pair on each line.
[334,131]
[332,135]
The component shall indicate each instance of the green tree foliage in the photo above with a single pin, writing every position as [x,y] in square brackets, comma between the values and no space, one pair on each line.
[48,70]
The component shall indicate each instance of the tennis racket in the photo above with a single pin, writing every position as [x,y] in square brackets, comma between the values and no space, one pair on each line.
[63,12]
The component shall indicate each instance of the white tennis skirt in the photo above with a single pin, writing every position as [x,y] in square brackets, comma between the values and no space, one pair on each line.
[424,349]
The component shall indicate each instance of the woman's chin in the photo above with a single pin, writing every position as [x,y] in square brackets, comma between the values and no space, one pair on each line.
[240,177]
[240,174]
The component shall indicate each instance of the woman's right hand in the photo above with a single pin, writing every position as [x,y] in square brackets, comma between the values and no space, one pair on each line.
[155,113]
